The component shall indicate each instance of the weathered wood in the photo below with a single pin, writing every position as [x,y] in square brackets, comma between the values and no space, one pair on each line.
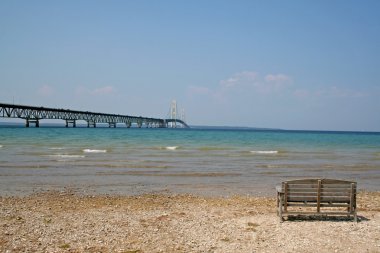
[309,204]
[315,198]
[318,194]
[319,197]
[286,197]
[314,213]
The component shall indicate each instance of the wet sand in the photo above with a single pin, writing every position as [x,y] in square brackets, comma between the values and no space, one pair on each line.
[66,221]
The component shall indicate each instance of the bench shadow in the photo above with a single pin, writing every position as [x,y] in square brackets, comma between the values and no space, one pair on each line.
[325,218]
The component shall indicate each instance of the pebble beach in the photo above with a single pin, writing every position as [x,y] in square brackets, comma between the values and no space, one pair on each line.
[67,221]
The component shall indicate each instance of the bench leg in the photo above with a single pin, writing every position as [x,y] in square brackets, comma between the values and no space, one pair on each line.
[279,210]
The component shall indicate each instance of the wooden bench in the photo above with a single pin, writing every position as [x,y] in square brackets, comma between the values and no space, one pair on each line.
[319,197]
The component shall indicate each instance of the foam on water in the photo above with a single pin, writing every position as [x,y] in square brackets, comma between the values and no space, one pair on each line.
[67,156]
[264,152]
[94,150]
[1,146]
[172,147]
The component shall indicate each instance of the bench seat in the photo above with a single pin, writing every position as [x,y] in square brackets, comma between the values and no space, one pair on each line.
[316,197]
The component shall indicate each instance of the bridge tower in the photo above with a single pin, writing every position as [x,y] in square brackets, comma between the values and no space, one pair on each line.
[173,113]
[183,117]
[176,117]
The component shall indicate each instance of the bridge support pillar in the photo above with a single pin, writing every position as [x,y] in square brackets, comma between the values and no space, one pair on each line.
[112,124]
[70,121]
[128,124]
[91,123]
[35,121]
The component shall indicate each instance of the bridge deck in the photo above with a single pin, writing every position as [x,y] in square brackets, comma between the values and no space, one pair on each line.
[33,114]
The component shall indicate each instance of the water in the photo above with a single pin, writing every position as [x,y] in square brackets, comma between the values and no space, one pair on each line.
[198,161]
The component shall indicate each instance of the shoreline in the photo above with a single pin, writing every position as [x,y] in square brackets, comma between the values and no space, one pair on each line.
[67,221]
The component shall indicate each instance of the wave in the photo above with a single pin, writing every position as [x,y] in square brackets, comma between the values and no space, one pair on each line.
[94,150]
[68,156]
[1,146]
[264,152]
[56,148]
[171,147]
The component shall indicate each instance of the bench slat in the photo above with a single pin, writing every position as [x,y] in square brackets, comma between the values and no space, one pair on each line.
[301,194]
[313,186]
[323,193]
[321,213]
[348,184]
[327,181]
[307,186]
[314,204]
[314,198]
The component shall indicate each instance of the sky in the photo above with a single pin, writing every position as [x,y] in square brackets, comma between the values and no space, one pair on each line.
[302,65]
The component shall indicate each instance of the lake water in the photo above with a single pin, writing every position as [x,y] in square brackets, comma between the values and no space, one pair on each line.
[198,161]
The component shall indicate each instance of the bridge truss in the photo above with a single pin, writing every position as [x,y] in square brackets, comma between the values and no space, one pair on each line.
[33,115]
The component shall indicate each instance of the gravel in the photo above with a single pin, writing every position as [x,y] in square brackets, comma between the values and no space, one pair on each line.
[71,222]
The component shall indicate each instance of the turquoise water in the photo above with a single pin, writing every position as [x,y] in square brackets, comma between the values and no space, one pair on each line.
[200,161]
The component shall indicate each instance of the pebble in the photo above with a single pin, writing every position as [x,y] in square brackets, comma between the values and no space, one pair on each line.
[95,226]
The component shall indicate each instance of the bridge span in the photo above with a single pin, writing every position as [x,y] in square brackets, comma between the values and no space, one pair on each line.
[34,114]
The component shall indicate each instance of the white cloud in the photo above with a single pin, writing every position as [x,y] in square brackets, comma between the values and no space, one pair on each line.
[279,78]
[46,91]
[252,81]
[242,84]
[245,78]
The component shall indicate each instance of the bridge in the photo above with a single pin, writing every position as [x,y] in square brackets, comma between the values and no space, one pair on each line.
[34,114]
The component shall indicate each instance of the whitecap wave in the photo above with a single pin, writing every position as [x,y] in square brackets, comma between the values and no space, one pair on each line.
[1,146]
[68,156]
[56,148]
[265,152]
[94,150]
[172,147]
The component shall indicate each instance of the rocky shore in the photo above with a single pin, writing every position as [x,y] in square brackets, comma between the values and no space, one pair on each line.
[71,222]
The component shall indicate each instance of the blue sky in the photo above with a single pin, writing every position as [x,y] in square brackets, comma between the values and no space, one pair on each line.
[276,64]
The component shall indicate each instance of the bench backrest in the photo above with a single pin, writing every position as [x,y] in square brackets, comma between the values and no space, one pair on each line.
[320,191]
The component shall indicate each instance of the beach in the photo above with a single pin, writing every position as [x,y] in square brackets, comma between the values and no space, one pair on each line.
[68,221]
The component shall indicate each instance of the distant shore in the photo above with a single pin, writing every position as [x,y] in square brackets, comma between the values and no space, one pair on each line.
[21,123]
[69,222]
